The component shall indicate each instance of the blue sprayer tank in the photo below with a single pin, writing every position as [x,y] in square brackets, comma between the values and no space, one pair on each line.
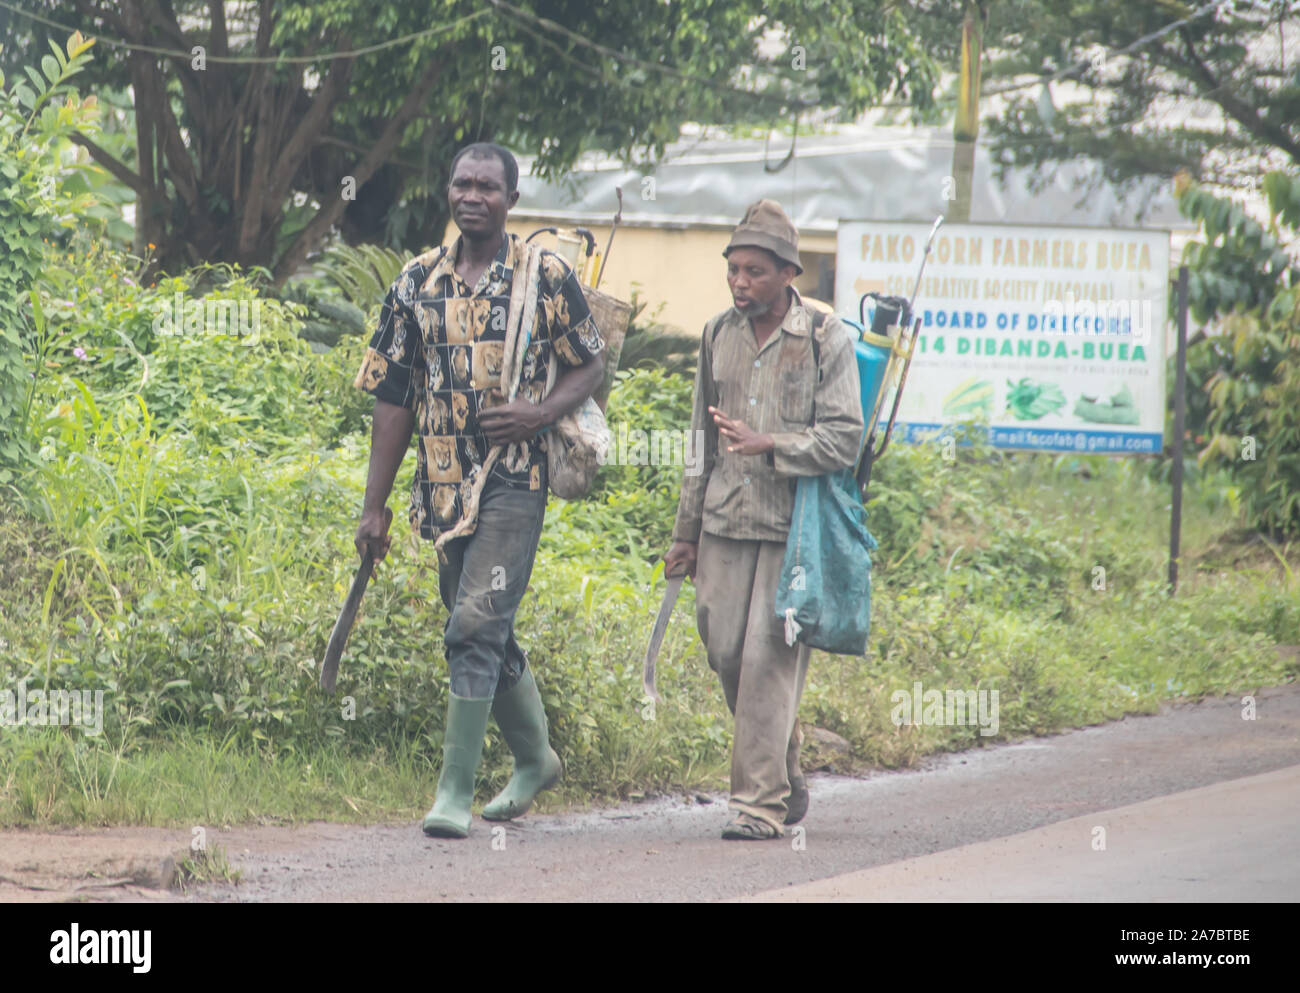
[875,351]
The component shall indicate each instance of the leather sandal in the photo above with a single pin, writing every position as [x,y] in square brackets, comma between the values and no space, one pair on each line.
[743,827]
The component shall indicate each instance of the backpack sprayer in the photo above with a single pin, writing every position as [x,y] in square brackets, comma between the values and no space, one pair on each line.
[883,359]
[589,265]
[612,316]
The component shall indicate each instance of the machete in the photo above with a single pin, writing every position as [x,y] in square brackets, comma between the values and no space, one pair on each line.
[329,667]
[657,635]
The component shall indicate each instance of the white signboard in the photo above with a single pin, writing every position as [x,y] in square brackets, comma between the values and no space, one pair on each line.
[1057,335]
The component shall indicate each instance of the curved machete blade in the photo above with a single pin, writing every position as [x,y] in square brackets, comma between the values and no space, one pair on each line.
[657,636]
[329,667]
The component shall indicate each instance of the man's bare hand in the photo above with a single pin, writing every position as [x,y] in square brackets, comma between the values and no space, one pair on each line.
[372,533]
[681,558]
[743,438]
[518,420]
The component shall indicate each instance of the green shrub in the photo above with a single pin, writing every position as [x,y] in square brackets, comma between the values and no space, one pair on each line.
[184,540]
[1244,384]
[37,114]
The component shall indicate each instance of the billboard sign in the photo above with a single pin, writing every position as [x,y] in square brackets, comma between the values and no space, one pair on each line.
[1056,335]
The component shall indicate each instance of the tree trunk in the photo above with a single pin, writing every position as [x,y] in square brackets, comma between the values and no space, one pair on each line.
[221,194]
[331,210]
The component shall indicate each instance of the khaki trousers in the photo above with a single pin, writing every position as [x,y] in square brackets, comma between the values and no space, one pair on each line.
[762,677]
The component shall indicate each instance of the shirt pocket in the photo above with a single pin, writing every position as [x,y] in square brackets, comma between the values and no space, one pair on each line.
[796,386]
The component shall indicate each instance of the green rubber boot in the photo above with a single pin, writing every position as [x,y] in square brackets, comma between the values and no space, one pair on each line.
[461,749]
[522,720]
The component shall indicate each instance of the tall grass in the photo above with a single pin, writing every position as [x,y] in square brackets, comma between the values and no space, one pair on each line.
[188,557]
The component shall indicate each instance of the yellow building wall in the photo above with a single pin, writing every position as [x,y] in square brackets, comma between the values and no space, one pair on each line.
[681,269]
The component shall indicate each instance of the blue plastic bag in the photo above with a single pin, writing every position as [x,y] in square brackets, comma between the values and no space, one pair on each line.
[824,596]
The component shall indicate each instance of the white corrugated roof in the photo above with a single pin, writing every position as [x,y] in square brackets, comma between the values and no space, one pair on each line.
[859,172]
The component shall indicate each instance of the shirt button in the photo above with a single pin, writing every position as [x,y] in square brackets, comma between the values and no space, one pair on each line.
[757,363]
[746,480]
[473,384]
[753,400]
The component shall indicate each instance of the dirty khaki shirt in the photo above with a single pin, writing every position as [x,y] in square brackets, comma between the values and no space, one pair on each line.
[813,415]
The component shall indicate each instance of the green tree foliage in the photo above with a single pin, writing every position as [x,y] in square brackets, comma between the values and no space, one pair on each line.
[362,274]
[1244,384]
[39,111]
[223,149]
[1215,96]
[347,299]
[652,345]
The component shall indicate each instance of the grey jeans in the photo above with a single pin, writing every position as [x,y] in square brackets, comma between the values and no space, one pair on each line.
[482,582]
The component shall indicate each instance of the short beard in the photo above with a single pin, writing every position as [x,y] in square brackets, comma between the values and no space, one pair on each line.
[755,309]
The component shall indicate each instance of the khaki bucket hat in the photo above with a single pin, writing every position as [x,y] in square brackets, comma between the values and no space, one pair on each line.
[765,225]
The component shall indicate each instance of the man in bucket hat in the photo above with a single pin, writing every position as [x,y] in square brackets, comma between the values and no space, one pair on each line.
[772,408]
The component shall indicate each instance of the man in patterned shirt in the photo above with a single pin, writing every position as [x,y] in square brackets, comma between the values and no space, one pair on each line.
[435,361]
[772,407]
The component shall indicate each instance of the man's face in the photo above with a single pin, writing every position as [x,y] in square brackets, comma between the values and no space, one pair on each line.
[477,196]
[756,280]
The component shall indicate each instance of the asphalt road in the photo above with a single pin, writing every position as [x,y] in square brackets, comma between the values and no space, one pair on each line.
[1233,841]
[1196,804]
